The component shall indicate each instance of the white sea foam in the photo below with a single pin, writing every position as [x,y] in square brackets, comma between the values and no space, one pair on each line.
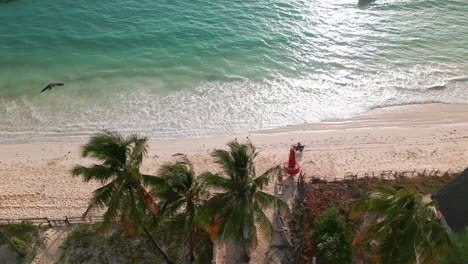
[215,108]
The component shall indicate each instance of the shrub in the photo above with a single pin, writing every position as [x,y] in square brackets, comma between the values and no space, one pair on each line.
[458,254]
[18,242]
[86,245]
[24,237]
[332,237]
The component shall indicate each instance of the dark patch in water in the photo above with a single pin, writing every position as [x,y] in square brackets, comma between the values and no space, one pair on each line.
[364,3]
[461,79]
[437,87]
[401,104]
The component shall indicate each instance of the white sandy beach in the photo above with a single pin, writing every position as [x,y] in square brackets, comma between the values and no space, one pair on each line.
[36,180]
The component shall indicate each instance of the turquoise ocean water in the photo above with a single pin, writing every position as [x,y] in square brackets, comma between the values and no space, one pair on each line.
[187,69]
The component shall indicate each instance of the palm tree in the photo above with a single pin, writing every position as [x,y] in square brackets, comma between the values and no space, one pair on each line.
[407,230]
[179,198]
[238,206]
[123,192]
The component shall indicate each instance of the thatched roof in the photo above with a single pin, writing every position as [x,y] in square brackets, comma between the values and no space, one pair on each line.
[453,201]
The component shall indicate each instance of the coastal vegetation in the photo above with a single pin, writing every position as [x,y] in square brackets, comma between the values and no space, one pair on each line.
[180,195]
[86,244]
[459,252]
[178,215]
[345,195]
[237,210]
[332,237]
[183,213]
[25,239]
[123,194]
[405,228]
[176,206]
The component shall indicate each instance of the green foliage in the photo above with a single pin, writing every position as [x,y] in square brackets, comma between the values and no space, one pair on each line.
[458,253]
[180,194]
[407,228]
[181,250]
[119,171]
[237,208]
[18,242]
[24,237]
[123,195]
[423,185]
[332,237]
[86,245]
[26,233]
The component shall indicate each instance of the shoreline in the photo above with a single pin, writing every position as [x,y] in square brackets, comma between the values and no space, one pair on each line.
[36,179]
[82,138]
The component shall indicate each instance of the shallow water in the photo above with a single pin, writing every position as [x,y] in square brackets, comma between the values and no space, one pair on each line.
[172,69]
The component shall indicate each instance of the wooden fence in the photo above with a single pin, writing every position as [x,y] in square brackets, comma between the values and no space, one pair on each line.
[386,175]
[67,221]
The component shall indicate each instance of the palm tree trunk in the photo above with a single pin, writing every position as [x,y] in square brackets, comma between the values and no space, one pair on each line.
[193,234]
[245,255]
[158,249]
[153,241]
[215,247]
[149,200]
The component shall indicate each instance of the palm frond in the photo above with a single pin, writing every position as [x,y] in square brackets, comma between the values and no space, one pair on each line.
[223,158]
[408,229]
[135,209]
[152,181]
[263,221]
[215,207]
[108,147]
[100,173]
[264,179]
[243,156]
[231,225]
[215,181]
[139,149]
[101,197]
[113,201]
[266,200]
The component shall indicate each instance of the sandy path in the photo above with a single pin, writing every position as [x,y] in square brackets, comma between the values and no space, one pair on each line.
[54,238]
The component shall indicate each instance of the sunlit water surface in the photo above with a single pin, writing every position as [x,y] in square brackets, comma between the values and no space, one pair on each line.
[188,69]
